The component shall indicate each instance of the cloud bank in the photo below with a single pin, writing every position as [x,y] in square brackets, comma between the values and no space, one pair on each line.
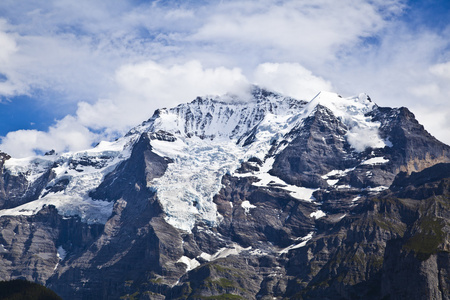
[111,65]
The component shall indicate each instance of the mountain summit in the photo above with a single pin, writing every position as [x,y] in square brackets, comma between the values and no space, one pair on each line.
[270,197]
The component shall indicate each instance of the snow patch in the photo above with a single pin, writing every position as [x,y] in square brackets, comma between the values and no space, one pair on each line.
[337,173]
[234,249]
[332,182]
[30,167]
[377,189]
[61,253]
[90,211]
[317,214]
[84,171]
[351,111]
[246,205]
[388,143]
[270,181]
[356,198]
[190,263]
[375,161]
[343,186]
[303,242]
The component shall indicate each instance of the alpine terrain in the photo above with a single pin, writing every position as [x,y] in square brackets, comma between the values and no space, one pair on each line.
[221,198]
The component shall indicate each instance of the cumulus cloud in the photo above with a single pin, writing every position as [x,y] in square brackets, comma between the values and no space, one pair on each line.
[291,79]
[147,86]
[7,50]
[66,135]
[141,89]
[120,62]
[302,31]
[75,50]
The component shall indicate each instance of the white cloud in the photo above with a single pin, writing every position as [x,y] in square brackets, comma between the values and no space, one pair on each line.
[441,70]
[7,50]
[432,107]
[121,62]
[361,138]
[74,50]
[54,64]
[305,31]
[66,135]
[402,67]
[147,86]
[291,79]
[8,45]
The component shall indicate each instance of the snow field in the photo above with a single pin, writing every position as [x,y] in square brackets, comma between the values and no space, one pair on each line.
[206,148]
[74,199]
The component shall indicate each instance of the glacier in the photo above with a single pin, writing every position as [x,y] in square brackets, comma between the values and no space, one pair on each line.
[211,138]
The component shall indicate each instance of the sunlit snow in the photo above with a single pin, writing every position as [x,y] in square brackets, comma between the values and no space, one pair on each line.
[190,263]
[337,173]
[246,205]
[317,214]
[267,180]
[212,139]
[351,111]
[74,199]
[375,161]
[61,254]
[303,242]
[234,249]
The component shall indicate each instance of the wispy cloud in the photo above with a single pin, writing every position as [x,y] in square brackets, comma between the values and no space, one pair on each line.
[119,61]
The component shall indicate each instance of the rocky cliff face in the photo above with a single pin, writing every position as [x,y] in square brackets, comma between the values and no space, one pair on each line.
[218,198]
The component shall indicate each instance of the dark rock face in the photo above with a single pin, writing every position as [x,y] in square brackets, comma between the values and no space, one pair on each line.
[135,242]
[133,174]
[376,227]
[29,244]
[16,190]
[276,217]
[414,149]
[319,146]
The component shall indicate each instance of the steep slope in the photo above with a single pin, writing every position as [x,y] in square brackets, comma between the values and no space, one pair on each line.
[272,197]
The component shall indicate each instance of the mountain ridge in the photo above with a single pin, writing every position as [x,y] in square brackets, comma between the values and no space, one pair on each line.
[302,198]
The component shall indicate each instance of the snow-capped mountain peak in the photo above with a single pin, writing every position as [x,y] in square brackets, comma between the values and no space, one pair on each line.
[352,112]
[256,189]
[210,118]
[204,139]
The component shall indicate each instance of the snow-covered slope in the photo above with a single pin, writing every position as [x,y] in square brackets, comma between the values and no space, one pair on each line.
[74,176]
[209,137]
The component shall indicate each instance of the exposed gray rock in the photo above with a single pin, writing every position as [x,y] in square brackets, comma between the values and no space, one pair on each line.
[355,239]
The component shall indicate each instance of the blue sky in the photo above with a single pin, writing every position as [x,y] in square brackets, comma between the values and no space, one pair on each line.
[76,72]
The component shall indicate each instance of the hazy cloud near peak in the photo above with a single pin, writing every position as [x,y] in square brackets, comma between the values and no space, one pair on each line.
[290,79]
[147,86]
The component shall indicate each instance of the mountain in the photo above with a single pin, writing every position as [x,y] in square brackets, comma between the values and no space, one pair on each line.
[221,198]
